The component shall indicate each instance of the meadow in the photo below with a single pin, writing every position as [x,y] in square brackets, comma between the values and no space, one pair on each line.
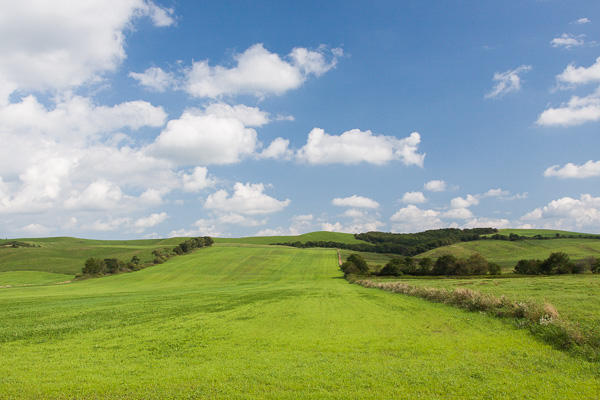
[252,321]
[507,254]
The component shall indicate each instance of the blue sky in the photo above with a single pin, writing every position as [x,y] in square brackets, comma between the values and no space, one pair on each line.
[143,119]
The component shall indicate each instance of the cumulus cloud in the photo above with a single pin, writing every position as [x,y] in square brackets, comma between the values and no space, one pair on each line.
[150,221]
[247,199]
[567,213]
[74,52]
[413,198]
[577,111]
[570,170]
[36,230]
[567,41]
[355,201]
[299,224]
[197,180]
[204,137]
[277,150]
[573,75]
[258,72]
[459,202]
[584,20]
[155,79]
[202,227]
[435,186]
[508,81]
[355,146]
[413,219]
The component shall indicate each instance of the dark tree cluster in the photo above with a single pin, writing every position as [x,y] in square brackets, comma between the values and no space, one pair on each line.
[109,266]
[192,244]
[557,263]
[447,265]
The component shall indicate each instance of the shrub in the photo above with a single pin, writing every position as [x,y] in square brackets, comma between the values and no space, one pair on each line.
[596,267]
[527,267]
[359,262]
[93,266]
[494,269]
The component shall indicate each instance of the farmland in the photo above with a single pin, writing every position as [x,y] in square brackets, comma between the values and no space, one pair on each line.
[255,321]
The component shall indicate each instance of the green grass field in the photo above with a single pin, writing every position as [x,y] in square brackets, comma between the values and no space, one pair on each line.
[507,254]
[541,232]
[265,322]
[307,237]
[66,255]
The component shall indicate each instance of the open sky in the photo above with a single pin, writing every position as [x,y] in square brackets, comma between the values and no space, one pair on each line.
[140,119]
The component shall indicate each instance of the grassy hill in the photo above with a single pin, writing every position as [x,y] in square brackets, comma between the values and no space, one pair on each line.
[264,322]
[307,237]
[542,232]
[507,254]
[65,255]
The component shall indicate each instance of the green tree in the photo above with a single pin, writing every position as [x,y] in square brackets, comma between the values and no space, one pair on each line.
[444,265]
[359,262]
[557,263]
[93,266]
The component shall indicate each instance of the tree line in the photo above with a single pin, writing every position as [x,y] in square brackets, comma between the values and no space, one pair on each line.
[475,264]
[404,244]
[94,266]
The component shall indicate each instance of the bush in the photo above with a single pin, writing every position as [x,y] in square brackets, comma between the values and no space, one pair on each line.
[359,262]
[93,266]
[557,263]
[596,267]
[494,269]
[349,268]
[527,267]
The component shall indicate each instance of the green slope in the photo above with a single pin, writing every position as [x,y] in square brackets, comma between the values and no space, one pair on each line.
[66,255]
[507,254]
[264,322]
[307,237]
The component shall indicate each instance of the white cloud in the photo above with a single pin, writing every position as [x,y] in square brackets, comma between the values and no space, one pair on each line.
[355,146]
[99,195]
[247,199]
[496,193]
[567,41]
[355,201]
[413,198]
[458,213]
[199,137]
[352,228]
[239,220]
[499,223]
[570,170]
[36,230]
[577,111]
[583,21]
[277,150]
[202,227]
[160,16]
[81,40]
[299,224]
[459,202]
[435,186]
[566,213]
[150,221]
[258,72]
[506,82]
[413,219]
[573,75]
[198,180]
[155,79]
[249,116]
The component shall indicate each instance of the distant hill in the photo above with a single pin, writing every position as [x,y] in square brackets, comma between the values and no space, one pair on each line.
[65,255]
[338,237]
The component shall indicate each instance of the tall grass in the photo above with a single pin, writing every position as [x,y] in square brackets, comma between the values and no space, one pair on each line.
[543,319]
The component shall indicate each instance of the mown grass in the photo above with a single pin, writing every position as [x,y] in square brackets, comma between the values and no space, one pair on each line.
[507,254]
[244,322]
[16,278]
[66,255]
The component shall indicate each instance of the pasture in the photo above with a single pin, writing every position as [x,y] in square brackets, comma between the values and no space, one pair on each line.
[265,322]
